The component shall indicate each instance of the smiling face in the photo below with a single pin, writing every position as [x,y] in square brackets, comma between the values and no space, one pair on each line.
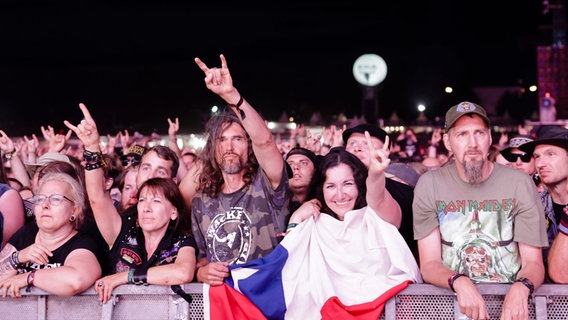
[340,190]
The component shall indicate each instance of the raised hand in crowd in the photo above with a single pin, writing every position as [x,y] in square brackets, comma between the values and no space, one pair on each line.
[376,183]
[433,143]
[231,176]
[56,141]
[33,149]
[111,144]
[337,136]
[10,152]
[124,139]
[522,130]
[503,141]
[313,142]
[173,128]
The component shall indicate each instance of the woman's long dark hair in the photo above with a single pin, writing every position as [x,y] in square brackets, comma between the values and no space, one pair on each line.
[335,157]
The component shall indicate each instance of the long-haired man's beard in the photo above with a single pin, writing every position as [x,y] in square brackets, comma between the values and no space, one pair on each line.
[230,167]
[474,171]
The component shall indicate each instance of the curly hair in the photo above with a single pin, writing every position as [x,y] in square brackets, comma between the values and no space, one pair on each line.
[211,178]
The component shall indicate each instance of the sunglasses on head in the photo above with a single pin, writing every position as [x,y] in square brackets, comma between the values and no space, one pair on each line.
[512,157]
[126,162]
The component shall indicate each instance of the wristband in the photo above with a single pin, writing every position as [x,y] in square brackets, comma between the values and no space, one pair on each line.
[563,226]
[90,156]
[291,225]
[14,261]
[10,155]
[453,278]
[238,107]
[140,277]
[130,274]
[527,283]
[31,278]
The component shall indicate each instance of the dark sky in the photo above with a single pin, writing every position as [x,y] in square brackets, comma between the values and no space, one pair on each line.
[131,62]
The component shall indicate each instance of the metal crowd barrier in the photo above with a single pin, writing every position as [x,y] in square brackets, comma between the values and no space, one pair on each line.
[417,302]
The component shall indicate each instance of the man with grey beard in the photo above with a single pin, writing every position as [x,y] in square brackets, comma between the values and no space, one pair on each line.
[241,205]
[478,221]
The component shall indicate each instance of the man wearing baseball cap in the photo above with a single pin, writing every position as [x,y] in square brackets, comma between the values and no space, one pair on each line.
[550,151]
[478,221]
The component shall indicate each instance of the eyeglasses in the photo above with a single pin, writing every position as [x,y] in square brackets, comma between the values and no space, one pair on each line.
[54,199]
[512,157]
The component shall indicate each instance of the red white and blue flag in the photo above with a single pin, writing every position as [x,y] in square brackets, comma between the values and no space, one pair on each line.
[324,269]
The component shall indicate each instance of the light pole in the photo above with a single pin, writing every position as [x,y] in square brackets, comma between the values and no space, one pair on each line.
[370,70]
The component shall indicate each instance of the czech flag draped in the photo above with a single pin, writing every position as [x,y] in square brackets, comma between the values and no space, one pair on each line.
[324,269]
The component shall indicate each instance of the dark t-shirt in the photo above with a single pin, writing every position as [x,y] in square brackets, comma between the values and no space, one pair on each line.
[26,235]
[404,195]
[129,250]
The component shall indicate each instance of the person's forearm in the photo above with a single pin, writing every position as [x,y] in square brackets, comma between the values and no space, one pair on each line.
[65,281]
[558,259]
[19,170]
[170,274]
[381,201]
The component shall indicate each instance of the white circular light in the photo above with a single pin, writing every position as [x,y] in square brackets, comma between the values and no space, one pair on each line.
[370,69]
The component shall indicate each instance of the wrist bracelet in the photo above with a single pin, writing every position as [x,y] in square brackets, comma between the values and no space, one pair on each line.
[140,277]
[90,156]
[453,278]
[527,283]
[93,165]
[238,107]
[10,155]
[31,278]
[130,274]
[563,225]
[14,261]
[291,225]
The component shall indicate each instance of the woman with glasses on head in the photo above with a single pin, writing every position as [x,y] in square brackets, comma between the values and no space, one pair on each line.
[50,253]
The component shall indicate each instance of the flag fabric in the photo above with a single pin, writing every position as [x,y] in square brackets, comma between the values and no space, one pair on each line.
[324,269]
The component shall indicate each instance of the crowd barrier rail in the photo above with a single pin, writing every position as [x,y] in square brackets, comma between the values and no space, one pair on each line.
[416,302]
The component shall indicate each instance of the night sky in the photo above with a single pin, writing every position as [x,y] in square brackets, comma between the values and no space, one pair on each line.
[131,62]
